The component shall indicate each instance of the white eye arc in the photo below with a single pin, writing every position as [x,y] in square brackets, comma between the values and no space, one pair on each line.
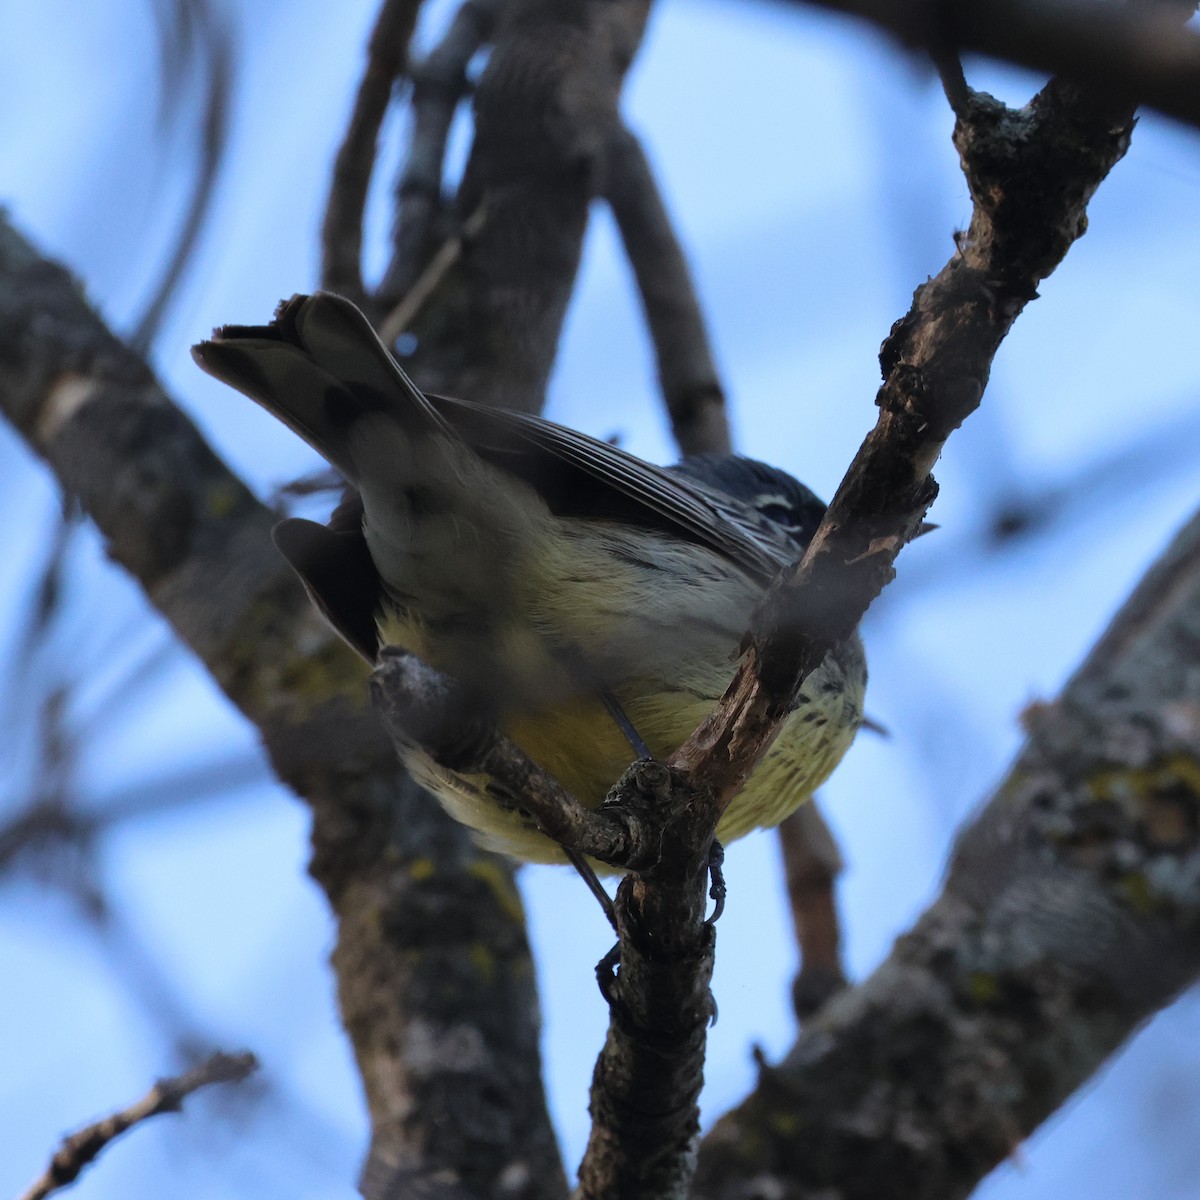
[779,511]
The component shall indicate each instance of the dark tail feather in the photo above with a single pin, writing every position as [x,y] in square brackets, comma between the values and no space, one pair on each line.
[317,367]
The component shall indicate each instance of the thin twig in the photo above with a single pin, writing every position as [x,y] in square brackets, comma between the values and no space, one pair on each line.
[216,41]
[949,67]
[811,865]
[451,250]
[439,86]
[342,231]
[421,706]
[691,387]
[166,1096]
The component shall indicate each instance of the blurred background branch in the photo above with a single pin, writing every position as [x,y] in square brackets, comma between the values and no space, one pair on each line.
[1133,54]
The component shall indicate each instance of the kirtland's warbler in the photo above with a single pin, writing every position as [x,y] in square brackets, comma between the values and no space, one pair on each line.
[559,579]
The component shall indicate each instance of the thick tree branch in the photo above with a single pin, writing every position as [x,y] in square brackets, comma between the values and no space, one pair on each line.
[167,1096]
[447,1043]
[1031,173]
[1072,904]
[1135,54]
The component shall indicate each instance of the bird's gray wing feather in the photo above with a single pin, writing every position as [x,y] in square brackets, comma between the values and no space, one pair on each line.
[319,366]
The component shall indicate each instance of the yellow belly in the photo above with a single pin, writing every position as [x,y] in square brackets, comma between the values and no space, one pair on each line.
[577,741]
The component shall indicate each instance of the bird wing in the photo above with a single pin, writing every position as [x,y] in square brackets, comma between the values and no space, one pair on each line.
[319,365]
[581,476]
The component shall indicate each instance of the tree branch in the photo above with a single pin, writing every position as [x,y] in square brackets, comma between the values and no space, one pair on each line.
[439,85]
[1031,172]
[1136,54]
[695,402]
[811,865]
[447,1043]
[166,1096]
[545,111]
[1072,903]
[694,397]
[342,230]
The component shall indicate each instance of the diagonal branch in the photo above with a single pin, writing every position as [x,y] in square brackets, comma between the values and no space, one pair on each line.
[1031,173]
[167,1096]
[1069,915]
[342,230]
[439,85]
[693,393]
[695,402]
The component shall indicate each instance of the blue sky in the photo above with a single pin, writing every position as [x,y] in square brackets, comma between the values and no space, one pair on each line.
[810,171]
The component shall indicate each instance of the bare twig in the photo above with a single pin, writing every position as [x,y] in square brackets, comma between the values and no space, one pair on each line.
[439,86]
[418,295]
[166,1096]
[342,231]
[423,707]
[811,865]
[950,71]
[694,397]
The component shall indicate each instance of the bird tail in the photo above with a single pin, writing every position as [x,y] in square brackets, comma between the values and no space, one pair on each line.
[318,367]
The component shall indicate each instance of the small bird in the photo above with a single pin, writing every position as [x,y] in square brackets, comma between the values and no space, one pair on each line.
[590,604]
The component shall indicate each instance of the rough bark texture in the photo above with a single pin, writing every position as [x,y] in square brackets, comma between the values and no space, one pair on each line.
[646,1085]
[1071,913]
[1072,900]
[443,1015]
[1031,172]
